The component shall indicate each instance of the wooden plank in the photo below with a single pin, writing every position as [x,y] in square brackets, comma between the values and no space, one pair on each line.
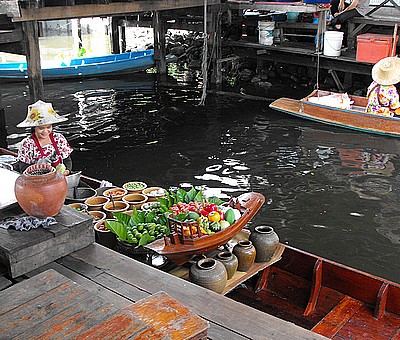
[111,9]
[338,317]
[10,8]
[4,283]
[229,314]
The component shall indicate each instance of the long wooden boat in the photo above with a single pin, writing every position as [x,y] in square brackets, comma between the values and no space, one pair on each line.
[106,65]
[354,118]
[179,252]
[325,297]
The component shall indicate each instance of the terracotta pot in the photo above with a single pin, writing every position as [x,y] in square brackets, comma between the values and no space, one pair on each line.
[230,262]
[209,273]
[104,237]
[120,206]
[41,190]
[135,200]
[96,203]
[266,241]
[246,254]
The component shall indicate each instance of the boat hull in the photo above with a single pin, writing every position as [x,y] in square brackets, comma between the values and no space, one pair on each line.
[108,65]
[350,119]
[249,204]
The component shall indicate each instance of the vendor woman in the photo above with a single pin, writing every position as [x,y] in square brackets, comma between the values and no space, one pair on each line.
[383,98]
[43,145]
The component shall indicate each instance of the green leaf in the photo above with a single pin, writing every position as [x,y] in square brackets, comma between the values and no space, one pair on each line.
[190,195]
[141,216]
[121,217]
[180,196]
[117,228]
[215,200]
[150,216]
[145,239]
[199,197]
[164,203]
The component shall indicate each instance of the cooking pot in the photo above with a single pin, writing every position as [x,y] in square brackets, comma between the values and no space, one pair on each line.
[73,179]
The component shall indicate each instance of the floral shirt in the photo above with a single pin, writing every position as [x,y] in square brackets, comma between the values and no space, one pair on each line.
[383,100]
[30,154]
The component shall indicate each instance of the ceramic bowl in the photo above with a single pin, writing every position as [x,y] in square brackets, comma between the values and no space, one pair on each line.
[135,200]
[104,236]
[96,203]
[116,193]
[153,193]
[97,215]
[135,186]
[120,206]
[79,207]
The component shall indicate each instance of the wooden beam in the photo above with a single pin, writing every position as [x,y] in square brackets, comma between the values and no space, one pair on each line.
[10,8]
[112,9]
[159,43]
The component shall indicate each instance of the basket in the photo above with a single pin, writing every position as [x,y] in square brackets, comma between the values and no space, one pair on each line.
[183,232]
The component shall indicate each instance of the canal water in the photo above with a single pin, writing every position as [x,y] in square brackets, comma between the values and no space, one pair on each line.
[329,191]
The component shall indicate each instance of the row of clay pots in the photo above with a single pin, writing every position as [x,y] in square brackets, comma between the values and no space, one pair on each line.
[213,273]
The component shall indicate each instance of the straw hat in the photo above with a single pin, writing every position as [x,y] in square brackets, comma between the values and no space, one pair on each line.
[41,113]
[387,71]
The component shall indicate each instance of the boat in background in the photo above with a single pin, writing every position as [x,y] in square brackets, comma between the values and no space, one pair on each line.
[106,65]
[354,118]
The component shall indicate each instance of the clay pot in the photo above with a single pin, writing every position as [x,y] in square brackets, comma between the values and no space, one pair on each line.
[266,241]
[41,190]
[209,273]
[96,203]
[230,262]
[246,254]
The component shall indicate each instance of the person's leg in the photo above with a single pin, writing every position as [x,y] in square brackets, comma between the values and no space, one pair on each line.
[344,16]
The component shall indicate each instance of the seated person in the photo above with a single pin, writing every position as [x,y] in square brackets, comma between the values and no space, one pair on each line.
[43,145]
[383,98]
[342,11]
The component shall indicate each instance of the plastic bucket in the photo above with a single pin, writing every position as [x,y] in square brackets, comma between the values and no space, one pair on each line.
[266,32]
[333,43]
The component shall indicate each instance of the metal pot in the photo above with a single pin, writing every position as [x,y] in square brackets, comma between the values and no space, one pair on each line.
[73,179]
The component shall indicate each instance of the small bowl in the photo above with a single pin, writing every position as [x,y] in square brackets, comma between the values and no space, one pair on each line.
[96,203]
[97,215]
[134,186]
[104,236]
[120,206]
[79,206]
[135,200]
[116,193]
[153,193]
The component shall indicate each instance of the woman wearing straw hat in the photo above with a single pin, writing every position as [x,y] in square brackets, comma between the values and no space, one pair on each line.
[43,145]
[383,98]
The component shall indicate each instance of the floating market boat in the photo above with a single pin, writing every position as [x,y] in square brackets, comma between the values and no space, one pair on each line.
[106,65]
[353,118]
[179,248]
[325,297]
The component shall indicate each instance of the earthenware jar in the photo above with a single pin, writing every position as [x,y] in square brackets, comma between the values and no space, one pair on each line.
[230,262]
[41,190]
[209,273]
[245,253]
[266,241]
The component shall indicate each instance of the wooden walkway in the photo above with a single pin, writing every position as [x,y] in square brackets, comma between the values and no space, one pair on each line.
[121,281]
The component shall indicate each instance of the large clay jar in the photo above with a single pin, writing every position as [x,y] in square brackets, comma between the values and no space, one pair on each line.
[230,262]
[266,241]
[209,273]
[41,190]
[246,254]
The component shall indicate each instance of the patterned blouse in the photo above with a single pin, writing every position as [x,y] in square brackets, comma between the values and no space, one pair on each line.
[383,100]
[30,154]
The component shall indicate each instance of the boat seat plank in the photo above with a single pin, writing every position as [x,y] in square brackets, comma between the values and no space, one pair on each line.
[315,288]
[335,320]
[381,300]
[214,307]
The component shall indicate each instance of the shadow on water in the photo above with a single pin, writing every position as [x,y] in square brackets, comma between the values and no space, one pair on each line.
[329,191]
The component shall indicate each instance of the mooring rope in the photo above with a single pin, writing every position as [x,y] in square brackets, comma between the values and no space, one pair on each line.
[204,59]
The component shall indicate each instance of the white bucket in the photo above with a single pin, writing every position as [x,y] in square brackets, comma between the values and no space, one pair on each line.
[266,32]
[333,43]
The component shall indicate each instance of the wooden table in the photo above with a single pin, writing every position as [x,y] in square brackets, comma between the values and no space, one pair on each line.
[51,306]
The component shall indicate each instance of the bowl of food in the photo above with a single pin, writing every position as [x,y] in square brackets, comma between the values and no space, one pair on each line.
[79,207]
[116,193]
[117,206]
[135,200]
[96,203]
[149,205]
[104,236]
[135,186]
[97,215]
[153,193]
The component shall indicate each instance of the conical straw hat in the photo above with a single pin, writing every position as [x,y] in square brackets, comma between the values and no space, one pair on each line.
[387,71]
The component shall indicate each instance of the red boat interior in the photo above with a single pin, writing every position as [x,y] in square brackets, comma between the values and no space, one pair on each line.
[325,297]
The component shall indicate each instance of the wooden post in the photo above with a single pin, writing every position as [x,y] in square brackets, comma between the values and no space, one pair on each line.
[3,131]
[35,79]
[114,36]
[214,31]
[159,28]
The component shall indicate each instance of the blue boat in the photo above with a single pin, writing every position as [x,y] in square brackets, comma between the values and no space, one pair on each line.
[106,65]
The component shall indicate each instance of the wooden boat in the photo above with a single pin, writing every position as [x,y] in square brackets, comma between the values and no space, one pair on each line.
[106,65]
[179,252]
[354,118]
[325,297]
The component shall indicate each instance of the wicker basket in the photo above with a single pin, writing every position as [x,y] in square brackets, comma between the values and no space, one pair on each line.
[183,232]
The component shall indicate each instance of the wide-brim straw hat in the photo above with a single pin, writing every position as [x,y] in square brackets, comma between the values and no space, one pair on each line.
[387,71]
[41,113]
